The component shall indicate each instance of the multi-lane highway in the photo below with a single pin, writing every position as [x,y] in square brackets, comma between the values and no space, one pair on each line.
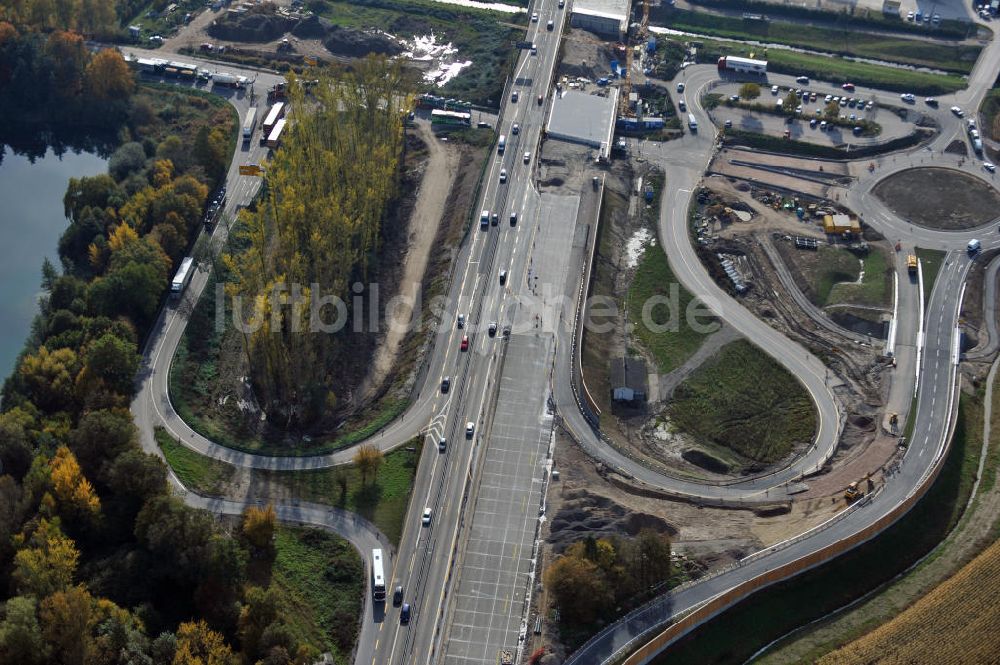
[466,575]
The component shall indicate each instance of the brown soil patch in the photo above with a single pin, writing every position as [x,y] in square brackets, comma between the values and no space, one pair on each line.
[939,198]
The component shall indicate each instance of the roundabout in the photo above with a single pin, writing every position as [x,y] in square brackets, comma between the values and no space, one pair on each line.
[937,198]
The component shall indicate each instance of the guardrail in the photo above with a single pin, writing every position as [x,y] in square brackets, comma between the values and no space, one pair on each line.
[722,601]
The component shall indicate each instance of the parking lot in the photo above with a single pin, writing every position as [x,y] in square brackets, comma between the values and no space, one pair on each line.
[800,128]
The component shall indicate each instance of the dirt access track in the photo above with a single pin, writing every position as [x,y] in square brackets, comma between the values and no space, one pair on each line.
[939,198]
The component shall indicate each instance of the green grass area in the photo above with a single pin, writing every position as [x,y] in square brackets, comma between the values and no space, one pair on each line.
[744,401]
[320,580]
[857,18]
[654,282]
[931,261]
[835,265]
[199,473]
[736,634]
[486,38]
[777,144]
[875,288]
[160,22]
[990,110]
[839,70]
[848,41]
[382,500]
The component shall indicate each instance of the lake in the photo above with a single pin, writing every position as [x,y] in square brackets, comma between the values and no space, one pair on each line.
[31,221]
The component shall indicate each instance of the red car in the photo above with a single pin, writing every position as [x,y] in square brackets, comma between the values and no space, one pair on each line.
[465,342]
[849,87]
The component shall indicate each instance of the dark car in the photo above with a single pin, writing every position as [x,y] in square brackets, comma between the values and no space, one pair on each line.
[397,596]
[404,614]
[445,384]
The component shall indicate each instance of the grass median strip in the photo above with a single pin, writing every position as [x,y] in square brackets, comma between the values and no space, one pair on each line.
[197,472]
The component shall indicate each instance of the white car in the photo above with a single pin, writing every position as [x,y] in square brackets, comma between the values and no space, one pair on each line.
[426,519]
[828,99]
[470,429]
[957,111]
[908,98]
[527,157]
[515,129]
[534,17]
[774,89]
[990,167]
[503,175]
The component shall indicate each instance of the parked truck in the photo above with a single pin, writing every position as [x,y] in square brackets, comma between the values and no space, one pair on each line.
[274,138]
[229,80]
[250,123]
[733,64]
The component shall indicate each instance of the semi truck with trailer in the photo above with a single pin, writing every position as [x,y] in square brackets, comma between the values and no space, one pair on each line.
[734,64]
[249,123]
[274,138]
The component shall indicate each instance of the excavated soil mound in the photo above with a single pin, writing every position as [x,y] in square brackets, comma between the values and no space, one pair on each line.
[311,28]
[355,43]
[250,27]
[585,514]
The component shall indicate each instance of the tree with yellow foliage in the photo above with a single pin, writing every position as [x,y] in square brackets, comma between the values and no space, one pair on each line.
[368,459]
[74,493]
[327,190]
[258,526]
[47,561]
[197,644]
[49,377]
[108,77]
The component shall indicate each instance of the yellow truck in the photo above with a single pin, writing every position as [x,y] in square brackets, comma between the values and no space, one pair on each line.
[911,263]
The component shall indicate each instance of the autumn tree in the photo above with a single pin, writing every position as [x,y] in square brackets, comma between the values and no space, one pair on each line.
[49,377]
[579,589]
[46,563]
[368,458]
[74,493]
[21,638]
[197,644]
[259,525]
[66,621]
[318,223]
[108,77]
[832,110]
[750,91]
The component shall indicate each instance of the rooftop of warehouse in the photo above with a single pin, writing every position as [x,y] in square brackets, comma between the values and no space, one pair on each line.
[606,7]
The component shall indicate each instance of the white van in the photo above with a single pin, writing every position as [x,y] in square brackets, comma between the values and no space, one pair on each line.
[692,122]
[974,246]
[484,220]
[501,144]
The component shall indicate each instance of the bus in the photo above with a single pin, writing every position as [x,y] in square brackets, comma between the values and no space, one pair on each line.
[273,116]
[451,118]
[249,123]
[183,276]
[378,577]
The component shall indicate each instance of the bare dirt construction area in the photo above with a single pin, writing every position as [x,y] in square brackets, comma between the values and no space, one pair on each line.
[940,198]
[589,500]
